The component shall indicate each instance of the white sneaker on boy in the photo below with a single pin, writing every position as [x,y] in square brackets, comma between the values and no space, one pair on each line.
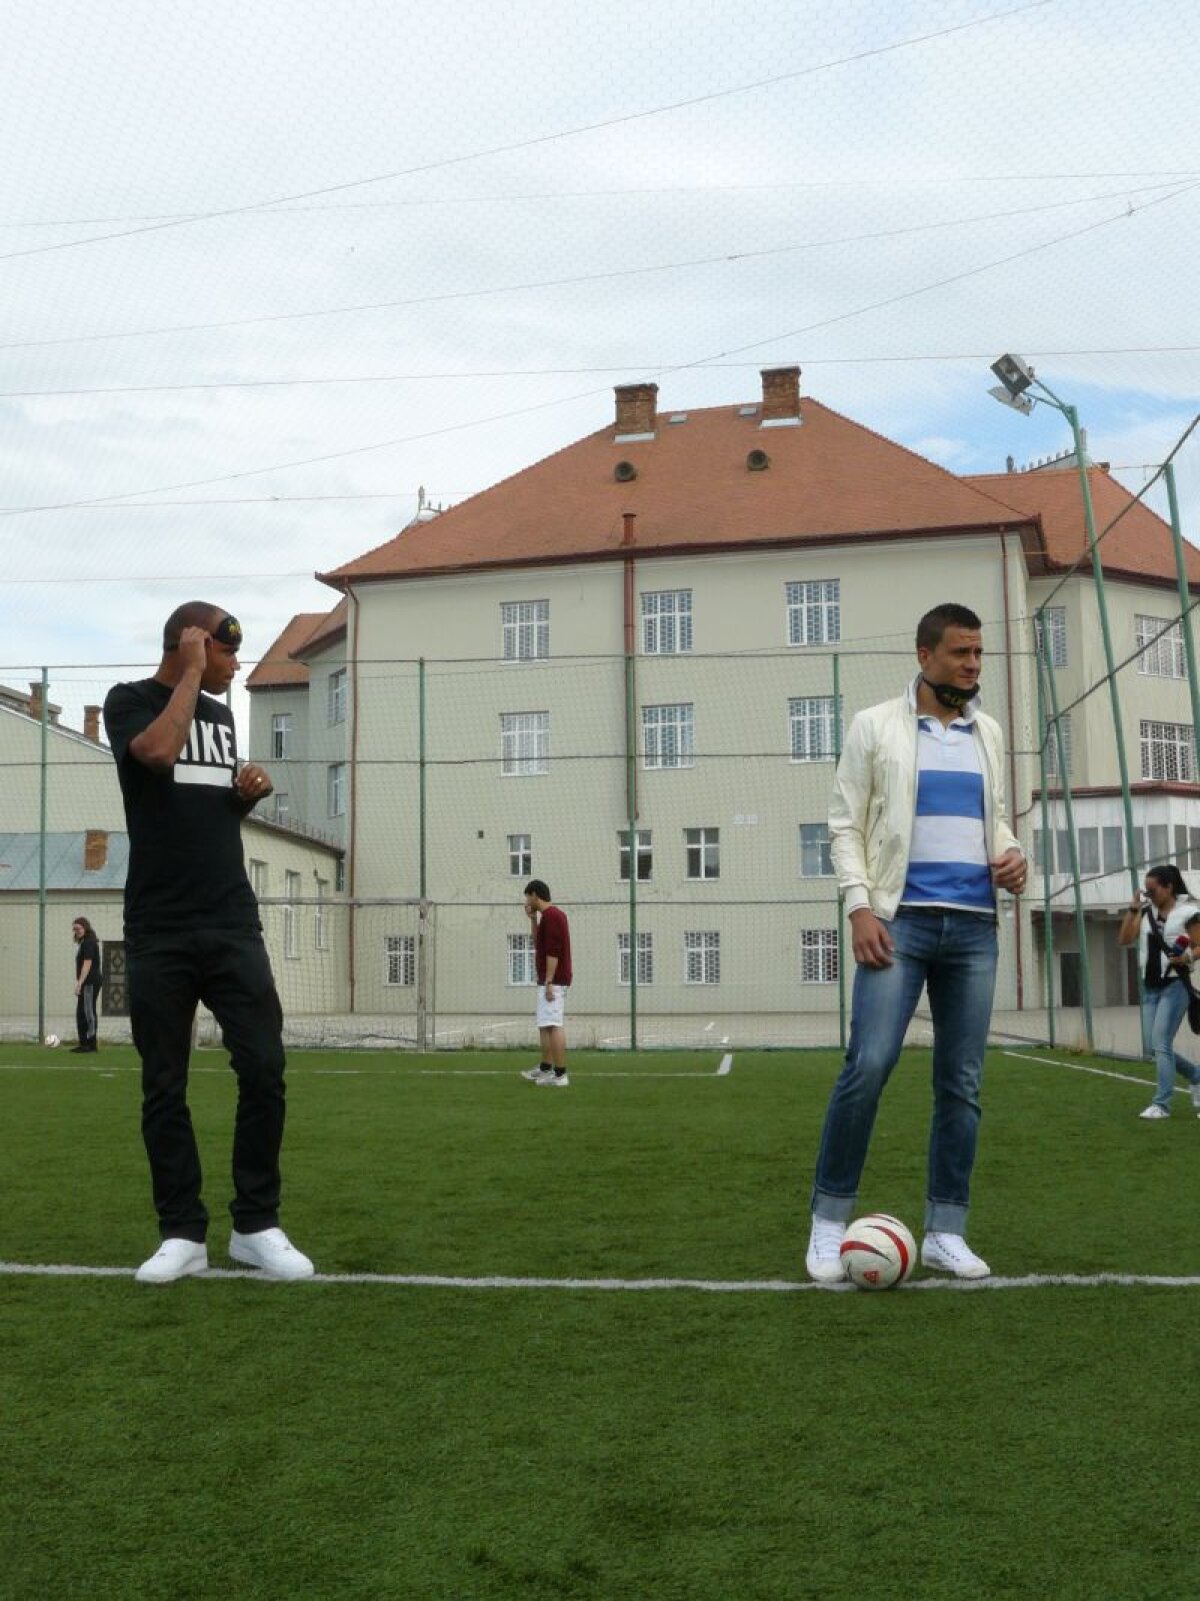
[823,1259]
[950,1253]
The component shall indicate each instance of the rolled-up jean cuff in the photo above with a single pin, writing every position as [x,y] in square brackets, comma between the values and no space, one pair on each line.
[944,1217]
[833,1208]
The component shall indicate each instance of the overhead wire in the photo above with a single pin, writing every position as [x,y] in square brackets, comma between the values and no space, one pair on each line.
[444,162]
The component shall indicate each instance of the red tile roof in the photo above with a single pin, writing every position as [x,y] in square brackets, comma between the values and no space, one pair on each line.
[331,628]
[1139,547]
[276,669]
[829,480]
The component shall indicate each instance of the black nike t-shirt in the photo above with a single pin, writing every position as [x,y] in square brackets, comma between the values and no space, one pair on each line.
[186,866]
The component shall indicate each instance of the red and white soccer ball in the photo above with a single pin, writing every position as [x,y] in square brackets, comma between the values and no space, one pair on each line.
[878,1252]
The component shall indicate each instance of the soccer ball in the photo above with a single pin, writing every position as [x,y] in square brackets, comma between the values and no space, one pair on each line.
[52,1040]
[878,1252]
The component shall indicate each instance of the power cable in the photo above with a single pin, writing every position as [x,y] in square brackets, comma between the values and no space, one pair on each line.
[825,322]
[542,139]
[723,259]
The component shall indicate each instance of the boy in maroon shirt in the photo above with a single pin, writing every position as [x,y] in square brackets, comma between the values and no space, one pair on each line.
[552,957]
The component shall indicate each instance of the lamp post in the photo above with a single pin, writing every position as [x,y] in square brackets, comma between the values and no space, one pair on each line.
[1017,379]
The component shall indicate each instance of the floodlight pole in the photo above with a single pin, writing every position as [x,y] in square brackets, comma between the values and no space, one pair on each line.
[1046,665]
[1089,517]
[1047,837]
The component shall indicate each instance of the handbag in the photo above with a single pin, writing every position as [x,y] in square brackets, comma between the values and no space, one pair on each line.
[1185,978]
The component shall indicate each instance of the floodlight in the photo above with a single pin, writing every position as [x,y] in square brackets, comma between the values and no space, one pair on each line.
[1021,403]
[1014,373]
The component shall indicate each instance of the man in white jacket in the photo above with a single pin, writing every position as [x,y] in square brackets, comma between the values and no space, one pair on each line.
[920,847]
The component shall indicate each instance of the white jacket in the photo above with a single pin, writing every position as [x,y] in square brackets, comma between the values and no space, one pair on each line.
[874,799]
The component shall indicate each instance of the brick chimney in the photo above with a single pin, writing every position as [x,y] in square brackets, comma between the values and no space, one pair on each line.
[91,724]
[35,700]
[95,850]
[781,397]
[637,409]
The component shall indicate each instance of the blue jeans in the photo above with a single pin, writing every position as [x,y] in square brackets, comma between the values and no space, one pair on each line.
[1162,1012]
[953,955]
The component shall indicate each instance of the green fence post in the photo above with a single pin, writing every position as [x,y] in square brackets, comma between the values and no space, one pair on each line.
[45,744]
[631,807]
[1047,836]
[840,904]
[1085,977]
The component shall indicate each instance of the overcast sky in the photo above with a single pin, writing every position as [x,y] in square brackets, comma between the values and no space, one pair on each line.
[239,238]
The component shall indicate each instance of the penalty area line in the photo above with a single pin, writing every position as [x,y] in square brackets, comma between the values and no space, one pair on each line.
[439,1281]
[1083,1067]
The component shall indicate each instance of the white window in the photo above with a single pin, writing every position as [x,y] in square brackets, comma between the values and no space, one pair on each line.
[1113,841]
[668,736]
[1064,722]
[524,744]
[281,736]
[521,968]
[336,789]
[1169,752]
[399,961]
[291,892]
[1052,640]
[283,806]
[811,719]
[1162,651]
[814,612]
[667,622]
[526,627]
[818,956]
[702,958]
[339,875]
[816,860]
[645,959]
[703,847]
[645,855]
[520,855]
[1088,841]
[258,877]
[339,691]
[320,931]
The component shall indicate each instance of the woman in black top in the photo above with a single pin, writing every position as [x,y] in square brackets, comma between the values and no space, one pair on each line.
[88,979]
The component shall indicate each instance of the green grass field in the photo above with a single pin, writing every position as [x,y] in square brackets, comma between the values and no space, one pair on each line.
[227,1438]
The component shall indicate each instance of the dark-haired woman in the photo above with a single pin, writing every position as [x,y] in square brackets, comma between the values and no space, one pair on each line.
[1164,920]
[88,979]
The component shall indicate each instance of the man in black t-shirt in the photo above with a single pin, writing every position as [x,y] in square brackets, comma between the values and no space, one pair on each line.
[192,934]
[88,979]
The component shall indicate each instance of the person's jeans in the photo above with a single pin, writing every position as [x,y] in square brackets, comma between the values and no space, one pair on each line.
[1162,1012]
[953,955]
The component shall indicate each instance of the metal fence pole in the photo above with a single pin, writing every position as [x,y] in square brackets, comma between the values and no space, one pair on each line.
[840,903]
[631,810]
[1047,837]
[45,742]
[1085,976]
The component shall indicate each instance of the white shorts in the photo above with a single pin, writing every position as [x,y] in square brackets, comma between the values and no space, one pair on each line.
[550,1013]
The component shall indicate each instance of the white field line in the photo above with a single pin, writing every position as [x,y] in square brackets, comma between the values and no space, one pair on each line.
[1100,1072]
[721,1071]
[439,1281]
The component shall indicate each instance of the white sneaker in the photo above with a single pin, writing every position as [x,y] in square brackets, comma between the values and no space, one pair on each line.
[1153,1112]
[950,1253]
[538,1075]
[174,1259]
[558,1081]
[1196,1096]
[824,1256]
[272,1251]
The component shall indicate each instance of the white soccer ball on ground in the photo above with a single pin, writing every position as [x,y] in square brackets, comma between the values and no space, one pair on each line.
[878,1252]
[52,1040]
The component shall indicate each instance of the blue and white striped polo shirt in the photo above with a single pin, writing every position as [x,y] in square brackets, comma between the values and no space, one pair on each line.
[947,859]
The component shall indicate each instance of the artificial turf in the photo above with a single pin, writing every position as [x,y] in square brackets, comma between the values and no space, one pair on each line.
[228,1438]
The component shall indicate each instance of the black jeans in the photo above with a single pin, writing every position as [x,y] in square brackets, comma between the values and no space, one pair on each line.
[229,971]
[85,1015]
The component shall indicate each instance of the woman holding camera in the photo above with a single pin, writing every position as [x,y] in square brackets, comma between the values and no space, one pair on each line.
[1165,922]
